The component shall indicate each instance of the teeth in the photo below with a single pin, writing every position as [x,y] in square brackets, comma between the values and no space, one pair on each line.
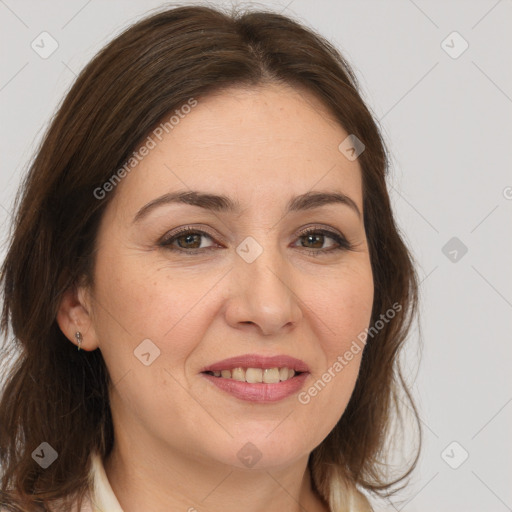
[253,375]
[238,374]
[271,375]
[256,375]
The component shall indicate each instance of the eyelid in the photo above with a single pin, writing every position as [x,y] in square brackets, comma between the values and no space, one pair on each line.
[192,229]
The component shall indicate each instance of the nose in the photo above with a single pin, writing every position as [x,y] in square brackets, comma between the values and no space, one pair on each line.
[262,295]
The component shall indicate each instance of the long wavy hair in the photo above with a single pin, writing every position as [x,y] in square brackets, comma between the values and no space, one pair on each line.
[55,394]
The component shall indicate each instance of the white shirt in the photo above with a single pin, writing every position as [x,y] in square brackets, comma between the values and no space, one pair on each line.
[102,498]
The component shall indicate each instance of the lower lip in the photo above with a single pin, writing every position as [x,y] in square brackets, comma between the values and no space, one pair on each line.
[260,391]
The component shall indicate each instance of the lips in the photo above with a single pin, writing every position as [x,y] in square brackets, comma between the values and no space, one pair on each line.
[257,378]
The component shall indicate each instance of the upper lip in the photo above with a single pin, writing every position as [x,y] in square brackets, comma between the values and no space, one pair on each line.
[258,361]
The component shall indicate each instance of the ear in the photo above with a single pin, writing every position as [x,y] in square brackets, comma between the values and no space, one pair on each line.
[74,314]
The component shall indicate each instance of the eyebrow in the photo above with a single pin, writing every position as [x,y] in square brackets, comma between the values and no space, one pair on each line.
[222,203]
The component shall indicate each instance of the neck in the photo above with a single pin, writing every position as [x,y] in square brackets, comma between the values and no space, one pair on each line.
[143,479]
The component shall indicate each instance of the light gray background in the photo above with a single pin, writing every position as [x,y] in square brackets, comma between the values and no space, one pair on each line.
[448,124]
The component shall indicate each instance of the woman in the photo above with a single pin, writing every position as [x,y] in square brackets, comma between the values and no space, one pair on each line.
[205,280]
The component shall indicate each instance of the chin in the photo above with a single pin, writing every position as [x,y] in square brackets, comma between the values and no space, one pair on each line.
[264,449]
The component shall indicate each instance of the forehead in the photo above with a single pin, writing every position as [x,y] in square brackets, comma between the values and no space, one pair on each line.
[264,140]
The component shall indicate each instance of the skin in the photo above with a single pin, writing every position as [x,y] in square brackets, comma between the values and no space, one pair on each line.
[176,435]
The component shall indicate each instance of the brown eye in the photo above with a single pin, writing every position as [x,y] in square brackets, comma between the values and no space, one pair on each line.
[316,239]
[190,241]
[187,240]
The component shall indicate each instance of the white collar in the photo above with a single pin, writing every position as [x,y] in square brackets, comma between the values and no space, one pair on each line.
[103,498]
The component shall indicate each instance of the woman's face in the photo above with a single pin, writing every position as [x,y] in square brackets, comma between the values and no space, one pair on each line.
[246,283]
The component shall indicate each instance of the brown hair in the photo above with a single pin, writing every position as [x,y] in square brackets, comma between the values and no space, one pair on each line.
[58,395]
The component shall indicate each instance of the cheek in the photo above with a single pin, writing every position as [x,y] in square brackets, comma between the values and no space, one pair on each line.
[145,301]
[345,313]
[344,304]
[143,311]
[351,310]
[140,301]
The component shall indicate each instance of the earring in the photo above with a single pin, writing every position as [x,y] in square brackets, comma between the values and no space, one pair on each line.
[78,336]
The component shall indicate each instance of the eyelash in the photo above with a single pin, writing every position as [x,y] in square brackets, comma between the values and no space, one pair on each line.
[342,242]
